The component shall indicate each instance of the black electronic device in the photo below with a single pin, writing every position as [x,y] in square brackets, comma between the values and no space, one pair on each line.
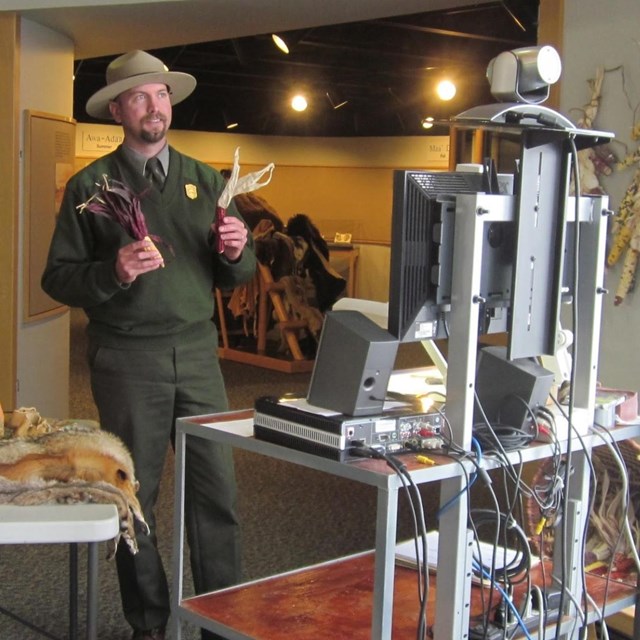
[422,240]
[292,423]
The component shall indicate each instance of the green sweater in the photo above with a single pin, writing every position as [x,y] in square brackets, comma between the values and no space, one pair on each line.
[161,306]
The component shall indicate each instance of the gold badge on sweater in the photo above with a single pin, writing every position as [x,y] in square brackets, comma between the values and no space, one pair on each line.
[191,191]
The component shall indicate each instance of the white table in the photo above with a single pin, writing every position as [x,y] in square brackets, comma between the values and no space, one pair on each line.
[61,523]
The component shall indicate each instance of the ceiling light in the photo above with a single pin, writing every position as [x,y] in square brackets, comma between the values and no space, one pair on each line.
[229,123]
[514,17]
[446,90]
[427,123]
[299,102]
[280,43]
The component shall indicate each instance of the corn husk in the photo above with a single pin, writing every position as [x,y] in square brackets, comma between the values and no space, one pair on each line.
[117,202]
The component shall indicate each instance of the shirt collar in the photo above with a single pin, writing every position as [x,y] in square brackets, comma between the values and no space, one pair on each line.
[140,161]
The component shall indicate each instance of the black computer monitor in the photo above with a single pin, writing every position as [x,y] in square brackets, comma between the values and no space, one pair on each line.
[422,235]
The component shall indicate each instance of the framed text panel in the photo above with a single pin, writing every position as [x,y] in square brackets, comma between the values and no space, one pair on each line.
[49,163]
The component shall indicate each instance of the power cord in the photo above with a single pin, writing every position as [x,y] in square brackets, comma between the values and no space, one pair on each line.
[507,599]
[419,525]
[502,437]
[506,529]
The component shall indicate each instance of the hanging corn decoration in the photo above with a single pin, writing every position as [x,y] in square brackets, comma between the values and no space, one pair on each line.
[628,276]
[626,233]
[624,221]
[620,242]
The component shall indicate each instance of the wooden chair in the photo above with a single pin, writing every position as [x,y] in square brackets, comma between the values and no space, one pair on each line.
[270,298]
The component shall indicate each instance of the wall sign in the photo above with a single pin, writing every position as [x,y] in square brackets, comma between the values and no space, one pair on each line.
[102,142]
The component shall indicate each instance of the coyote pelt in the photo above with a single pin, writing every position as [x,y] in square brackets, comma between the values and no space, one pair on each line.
[86,463]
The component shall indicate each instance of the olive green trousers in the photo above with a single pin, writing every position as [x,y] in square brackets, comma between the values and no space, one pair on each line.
[139,394]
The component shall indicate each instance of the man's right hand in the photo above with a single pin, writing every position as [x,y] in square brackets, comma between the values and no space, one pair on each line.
[137,258]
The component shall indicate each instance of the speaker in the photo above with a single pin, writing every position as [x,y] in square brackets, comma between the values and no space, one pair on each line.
[353,363]
[507,389]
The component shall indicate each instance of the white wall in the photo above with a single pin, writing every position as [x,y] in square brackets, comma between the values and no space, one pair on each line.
[605,34]
[46,85]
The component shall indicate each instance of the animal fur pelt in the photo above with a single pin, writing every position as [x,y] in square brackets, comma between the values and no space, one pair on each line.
[329,284]
[26,421]
[298,262]
[301,225]
[77,463]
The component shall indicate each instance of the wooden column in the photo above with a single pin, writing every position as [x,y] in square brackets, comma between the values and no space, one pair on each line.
[9,213]
[550,31]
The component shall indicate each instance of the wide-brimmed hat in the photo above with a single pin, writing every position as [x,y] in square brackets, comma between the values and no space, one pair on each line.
[131,70]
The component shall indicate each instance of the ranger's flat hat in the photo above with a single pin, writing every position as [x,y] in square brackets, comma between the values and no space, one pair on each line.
[131,70]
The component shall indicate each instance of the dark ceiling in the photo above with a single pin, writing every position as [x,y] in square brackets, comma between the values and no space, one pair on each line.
[384,69]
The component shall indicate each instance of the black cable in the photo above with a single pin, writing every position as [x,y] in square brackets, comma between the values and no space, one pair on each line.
[513,504]
[487,427]
[486,610]
[449,441]
[528,410]
[515,475]
[492,568]
[510,437]
[547,496]
[506,524]
[521,439]
[419,525]
[511,537]
[517,570]
[502,454]
[469,480]
[401,469]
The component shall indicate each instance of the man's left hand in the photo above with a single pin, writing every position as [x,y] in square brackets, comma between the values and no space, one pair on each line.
[233,234]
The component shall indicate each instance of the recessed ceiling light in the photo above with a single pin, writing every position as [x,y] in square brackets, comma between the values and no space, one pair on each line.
[446,90]
[299,102]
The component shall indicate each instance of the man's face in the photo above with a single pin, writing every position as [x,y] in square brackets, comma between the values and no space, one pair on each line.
[144,112]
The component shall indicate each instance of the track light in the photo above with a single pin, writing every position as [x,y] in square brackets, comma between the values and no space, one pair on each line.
[229,123]
[337,103]
[280,43]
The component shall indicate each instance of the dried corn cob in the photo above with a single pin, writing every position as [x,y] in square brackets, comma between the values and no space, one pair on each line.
[628,276]
[620,241]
